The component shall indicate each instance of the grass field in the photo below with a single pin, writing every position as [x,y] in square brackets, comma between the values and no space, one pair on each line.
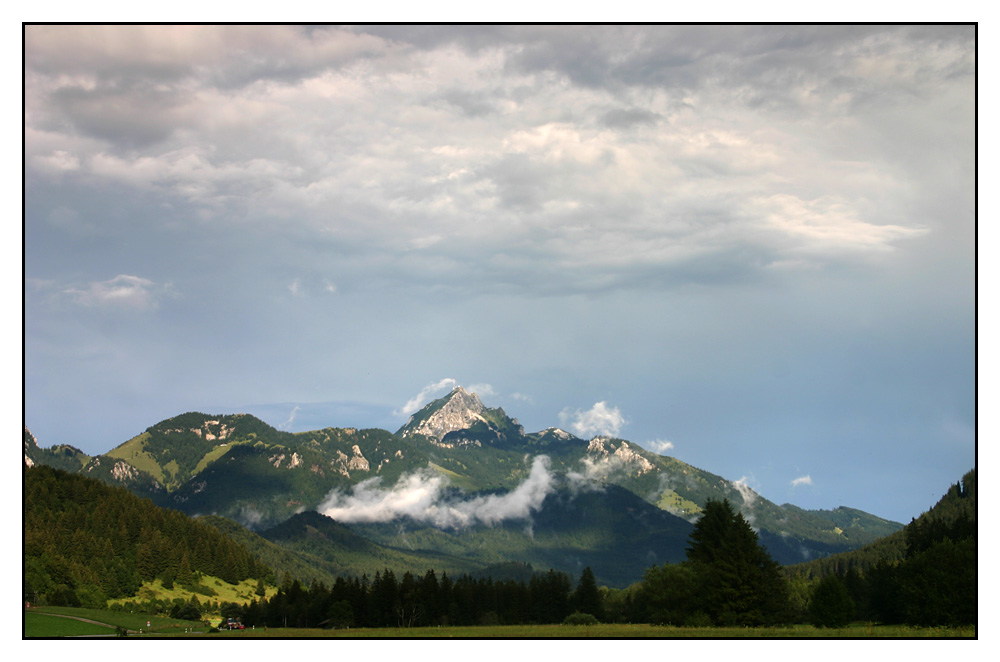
[46,622]
[612,631]
[66,622]
[46,625]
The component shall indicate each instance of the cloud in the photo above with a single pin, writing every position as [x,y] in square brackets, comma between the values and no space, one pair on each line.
[603,460]
[660,446]
[802,480]
[482,390]
[598,420]
[596,470]
[420,399]
[828,224]
[421,496]
[749,498]
[122,291]
[287,425]
[295,287]
[735,170]
[626,118]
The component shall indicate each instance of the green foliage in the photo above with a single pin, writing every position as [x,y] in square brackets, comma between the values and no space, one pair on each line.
[587,597]
[411,600]
[831,605]
[923,575]
[63,456]
[85,542]
[739,583]
[578,618]
[670,593]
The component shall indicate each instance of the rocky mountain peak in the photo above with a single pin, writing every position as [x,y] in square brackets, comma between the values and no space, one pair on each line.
[458,412]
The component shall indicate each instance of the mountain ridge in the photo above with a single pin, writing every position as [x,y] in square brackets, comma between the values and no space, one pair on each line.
[239,467]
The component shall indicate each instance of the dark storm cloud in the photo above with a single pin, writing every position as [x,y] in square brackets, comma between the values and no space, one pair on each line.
[624,118]
[133,115]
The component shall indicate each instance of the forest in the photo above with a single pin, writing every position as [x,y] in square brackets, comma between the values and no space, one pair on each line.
[86,542]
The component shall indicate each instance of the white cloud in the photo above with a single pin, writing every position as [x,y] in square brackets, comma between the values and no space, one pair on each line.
[420,399]
[287,425]
[295,287]
[802,480]
[598,420]
[829,224]
[749,498]
[660,446]
[122,291]
[482,390]
[420,496]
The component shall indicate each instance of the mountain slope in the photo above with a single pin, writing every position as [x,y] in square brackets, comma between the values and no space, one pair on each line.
[85,541]
[65,457]
[958,505]
[611,530]
[238,467]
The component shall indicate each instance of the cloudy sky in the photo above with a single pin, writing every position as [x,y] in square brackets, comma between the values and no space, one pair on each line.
[751,248]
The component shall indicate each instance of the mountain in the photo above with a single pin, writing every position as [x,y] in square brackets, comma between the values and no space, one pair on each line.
[68,458]
[955,511]
[461,419]
[453,459]
[610,529]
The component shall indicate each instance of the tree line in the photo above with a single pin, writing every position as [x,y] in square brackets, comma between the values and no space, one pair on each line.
[414,600]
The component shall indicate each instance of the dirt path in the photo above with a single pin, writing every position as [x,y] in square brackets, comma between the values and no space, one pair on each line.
[75,618]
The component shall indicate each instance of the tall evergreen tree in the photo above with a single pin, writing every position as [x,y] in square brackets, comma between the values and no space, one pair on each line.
[587,597]
[742,584]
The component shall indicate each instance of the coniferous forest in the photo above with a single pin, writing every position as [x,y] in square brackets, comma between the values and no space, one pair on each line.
[86,542]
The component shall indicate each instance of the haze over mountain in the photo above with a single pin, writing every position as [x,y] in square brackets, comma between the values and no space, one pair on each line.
[460,484]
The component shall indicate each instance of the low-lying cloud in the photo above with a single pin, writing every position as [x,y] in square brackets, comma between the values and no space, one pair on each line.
[749,499]
[598,420]
[422,496]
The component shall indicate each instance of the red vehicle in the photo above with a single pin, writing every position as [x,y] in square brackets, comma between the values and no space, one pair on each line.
[232,624]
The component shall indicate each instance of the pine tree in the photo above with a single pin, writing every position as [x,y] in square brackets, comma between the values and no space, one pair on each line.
[587,597]
[742,584]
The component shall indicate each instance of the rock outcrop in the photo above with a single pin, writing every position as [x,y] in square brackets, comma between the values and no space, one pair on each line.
[464,418]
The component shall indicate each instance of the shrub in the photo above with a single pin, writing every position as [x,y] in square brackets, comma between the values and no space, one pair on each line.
[577,618]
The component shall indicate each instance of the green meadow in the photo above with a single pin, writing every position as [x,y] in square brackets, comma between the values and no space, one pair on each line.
[66,622]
